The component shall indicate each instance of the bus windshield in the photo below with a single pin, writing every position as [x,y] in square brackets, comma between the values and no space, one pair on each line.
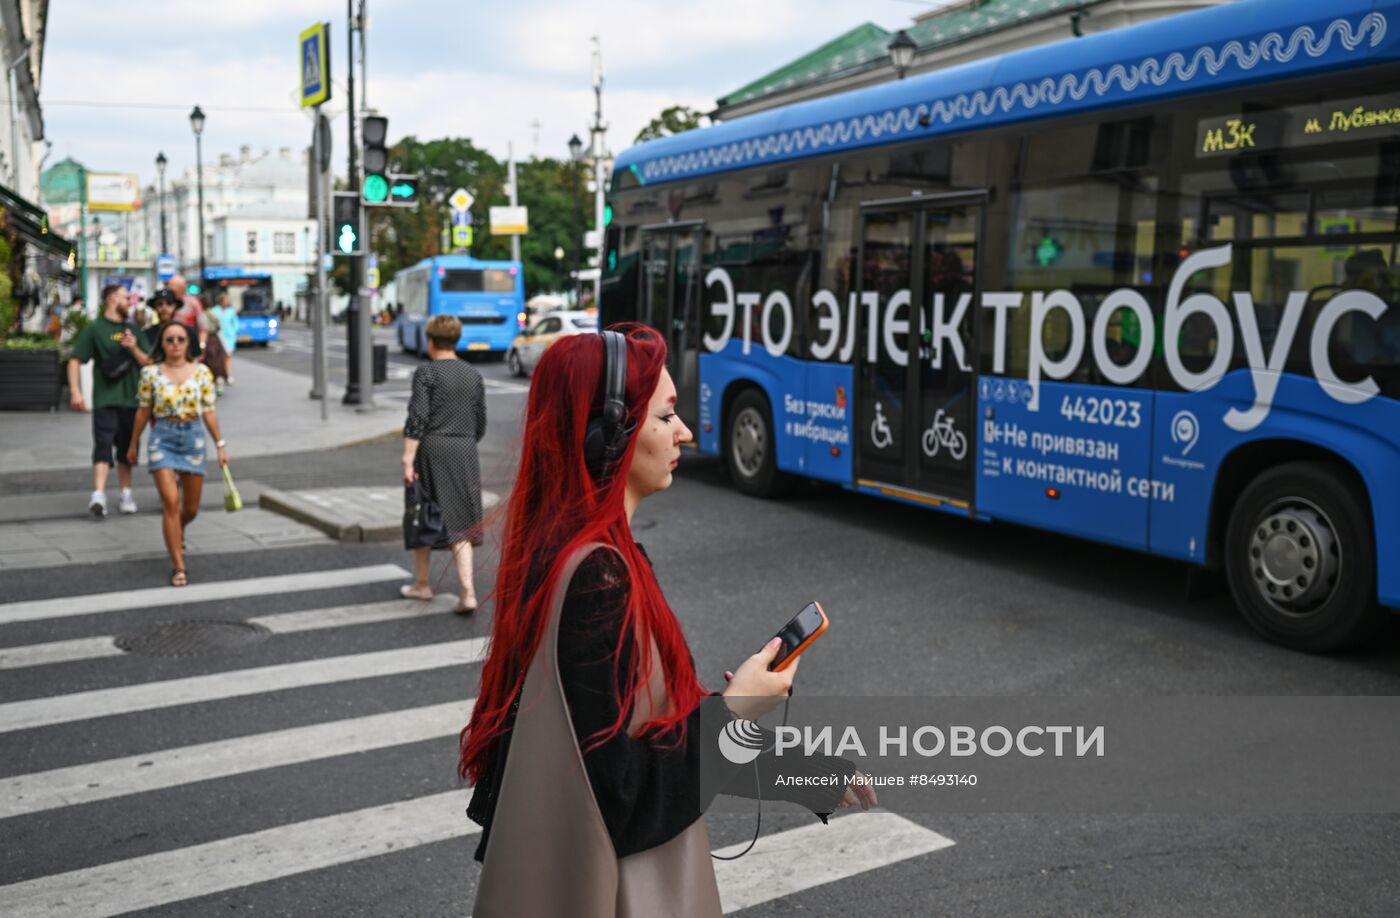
[474,280]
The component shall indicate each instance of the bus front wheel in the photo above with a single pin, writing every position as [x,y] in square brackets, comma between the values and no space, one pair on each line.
[1301,559]
[751,449]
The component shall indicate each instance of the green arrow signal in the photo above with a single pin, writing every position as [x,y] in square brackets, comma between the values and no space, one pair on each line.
[376,188]
[403,190]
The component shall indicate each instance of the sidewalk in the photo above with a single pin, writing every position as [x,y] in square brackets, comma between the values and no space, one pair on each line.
[45,530]
[267,412]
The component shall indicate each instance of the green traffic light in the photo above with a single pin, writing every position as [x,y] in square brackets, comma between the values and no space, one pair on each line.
[403,190]
[347,239]
[607,215]
[376,188]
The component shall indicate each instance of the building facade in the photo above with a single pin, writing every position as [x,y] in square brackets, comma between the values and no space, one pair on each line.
[946,36]
[254,218]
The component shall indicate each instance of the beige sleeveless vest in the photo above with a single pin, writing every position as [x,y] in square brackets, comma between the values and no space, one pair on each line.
[549,854]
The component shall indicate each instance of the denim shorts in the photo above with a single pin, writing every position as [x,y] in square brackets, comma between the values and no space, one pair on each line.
[176,445]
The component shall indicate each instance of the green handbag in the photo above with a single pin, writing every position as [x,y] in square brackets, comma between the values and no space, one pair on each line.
[232,502]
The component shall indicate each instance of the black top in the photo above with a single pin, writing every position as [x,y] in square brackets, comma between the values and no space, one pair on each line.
[449,400]
[648,792]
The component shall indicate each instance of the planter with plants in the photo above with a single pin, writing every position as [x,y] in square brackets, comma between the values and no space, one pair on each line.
[31,375]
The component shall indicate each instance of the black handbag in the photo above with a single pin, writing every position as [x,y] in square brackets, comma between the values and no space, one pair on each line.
[423,526]
[116,364]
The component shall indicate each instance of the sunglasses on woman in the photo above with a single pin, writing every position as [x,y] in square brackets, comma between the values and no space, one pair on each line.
[176,340]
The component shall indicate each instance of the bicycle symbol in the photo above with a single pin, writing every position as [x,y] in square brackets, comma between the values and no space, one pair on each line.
[942,434]
[880,433]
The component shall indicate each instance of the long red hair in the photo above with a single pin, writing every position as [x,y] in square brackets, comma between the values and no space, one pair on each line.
[556,507]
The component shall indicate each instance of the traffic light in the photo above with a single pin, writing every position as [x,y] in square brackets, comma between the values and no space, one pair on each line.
[345,223]
[375,189]
[403,190]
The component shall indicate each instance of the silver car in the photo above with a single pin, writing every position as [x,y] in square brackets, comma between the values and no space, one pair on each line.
[526,350]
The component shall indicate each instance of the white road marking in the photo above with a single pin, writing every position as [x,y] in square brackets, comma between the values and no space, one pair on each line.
[781,864]
[93,648]
[108,702]
[243,860]
[813,855]
[121,600]
[137,774]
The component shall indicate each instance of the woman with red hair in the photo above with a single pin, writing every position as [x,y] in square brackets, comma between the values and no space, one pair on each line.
[585,753]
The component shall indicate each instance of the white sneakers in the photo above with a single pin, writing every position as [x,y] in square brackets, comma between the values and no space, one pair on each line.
[97,504]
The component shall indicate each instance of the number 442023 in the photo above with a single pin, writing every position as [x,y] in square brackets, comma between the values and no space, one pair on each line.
[1109,412]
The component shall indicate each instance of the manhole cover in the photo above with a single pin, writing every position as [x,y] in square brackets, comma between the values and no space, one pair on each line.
[192,638]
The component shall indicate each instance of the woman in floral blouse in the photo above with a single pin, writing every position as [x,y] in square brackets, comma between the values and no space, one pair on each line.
[178,393]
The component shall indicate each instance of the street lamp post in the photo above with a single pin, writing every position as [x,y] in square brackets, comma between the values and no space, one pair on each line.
[558,263]
[197,123]
[575,152]
[160,170]
[901,49]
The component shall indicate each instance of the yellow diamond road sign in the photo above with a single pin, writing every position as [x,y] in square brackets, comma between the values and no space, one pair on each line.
[461,199]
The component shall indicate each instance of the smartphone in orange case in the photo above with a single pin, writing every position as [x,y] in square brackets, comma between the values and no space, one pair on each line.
[798,634]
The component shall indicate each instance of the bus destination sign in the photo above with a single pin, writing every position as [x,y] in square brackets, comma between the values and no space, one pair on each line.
[1298,126]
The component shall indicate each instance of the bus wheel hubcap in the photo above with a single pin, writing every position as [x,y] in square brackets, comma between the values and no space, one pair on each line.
[1294,556]
[750,442]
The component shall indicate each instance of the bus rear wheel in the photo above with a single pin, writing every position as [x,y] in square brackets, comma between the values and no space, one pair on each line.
[1301,559]
[751,449]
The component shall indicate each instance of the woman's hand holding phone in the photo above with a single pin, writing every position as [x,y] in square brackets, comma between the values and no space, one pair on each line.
[754,691]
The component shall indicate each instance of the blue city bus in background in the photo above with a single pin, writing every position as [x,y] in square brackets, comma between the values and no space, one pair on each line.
[488,296]
[1138,287]
[250,293]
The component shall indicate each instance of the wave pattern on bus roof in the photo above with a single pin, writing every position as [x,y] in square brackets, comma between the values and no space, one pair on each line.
[1133,64]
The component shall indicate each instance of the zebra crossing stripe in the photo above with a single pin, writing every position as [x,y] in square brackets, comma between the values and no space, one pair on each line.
[93,648]
[59,709]
[138,774]
[789,862]
[781,864]
[121,600]
[232,863]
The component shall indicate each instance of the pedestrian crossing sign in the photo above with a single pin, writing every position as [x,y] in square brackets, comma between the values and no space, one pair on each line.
[315,59]
[462,236]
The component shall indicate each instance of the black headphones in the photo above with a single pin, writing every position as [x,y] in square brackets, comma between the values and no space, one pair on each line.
[606,438]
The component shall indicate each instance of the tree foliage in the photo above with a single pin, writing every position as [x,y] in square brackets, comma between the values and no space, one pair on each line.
[554,191]
[674,120]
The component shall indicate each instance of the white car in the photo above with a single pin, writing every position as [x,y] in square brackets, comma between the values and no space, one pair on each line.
[526,350]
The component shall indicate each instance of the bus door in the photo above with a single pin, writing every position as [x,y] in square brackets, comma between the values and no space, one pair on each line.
[914,347]
[669,302]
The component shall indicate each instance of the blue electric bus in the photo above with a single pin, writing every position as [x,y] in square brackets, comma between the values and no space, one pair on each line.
[1138,287]
[488,296]
[250,293]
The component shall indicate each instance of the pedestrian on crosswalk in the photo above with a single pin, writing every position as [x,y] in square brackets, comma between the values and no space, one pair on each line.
[179,394]
[587,753]
[117,349]
[446,419]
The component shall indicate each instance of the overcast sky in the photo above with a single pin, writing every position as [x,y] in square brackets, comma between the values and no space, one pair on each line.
[436,68]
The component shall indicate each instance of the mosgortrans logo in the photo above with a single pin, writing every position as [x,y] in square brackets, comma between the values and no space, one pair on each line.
[741,741]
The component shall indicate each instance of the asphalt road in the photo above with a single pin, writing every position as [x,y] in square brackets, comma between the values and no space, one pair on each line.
[921,603]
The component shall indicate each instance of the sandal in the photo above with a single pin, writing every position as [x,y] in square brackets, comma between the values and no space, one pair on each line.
[178,578]
[422,594]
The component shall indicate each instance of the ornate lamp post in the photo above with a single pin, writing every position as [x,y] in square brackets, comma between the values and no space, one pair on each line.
[901,49]
[160,170]
[575,155]
[197,124]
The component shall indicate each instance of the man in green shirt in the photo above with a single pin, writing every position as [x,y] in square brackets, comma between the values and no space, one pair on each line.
[117,348]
